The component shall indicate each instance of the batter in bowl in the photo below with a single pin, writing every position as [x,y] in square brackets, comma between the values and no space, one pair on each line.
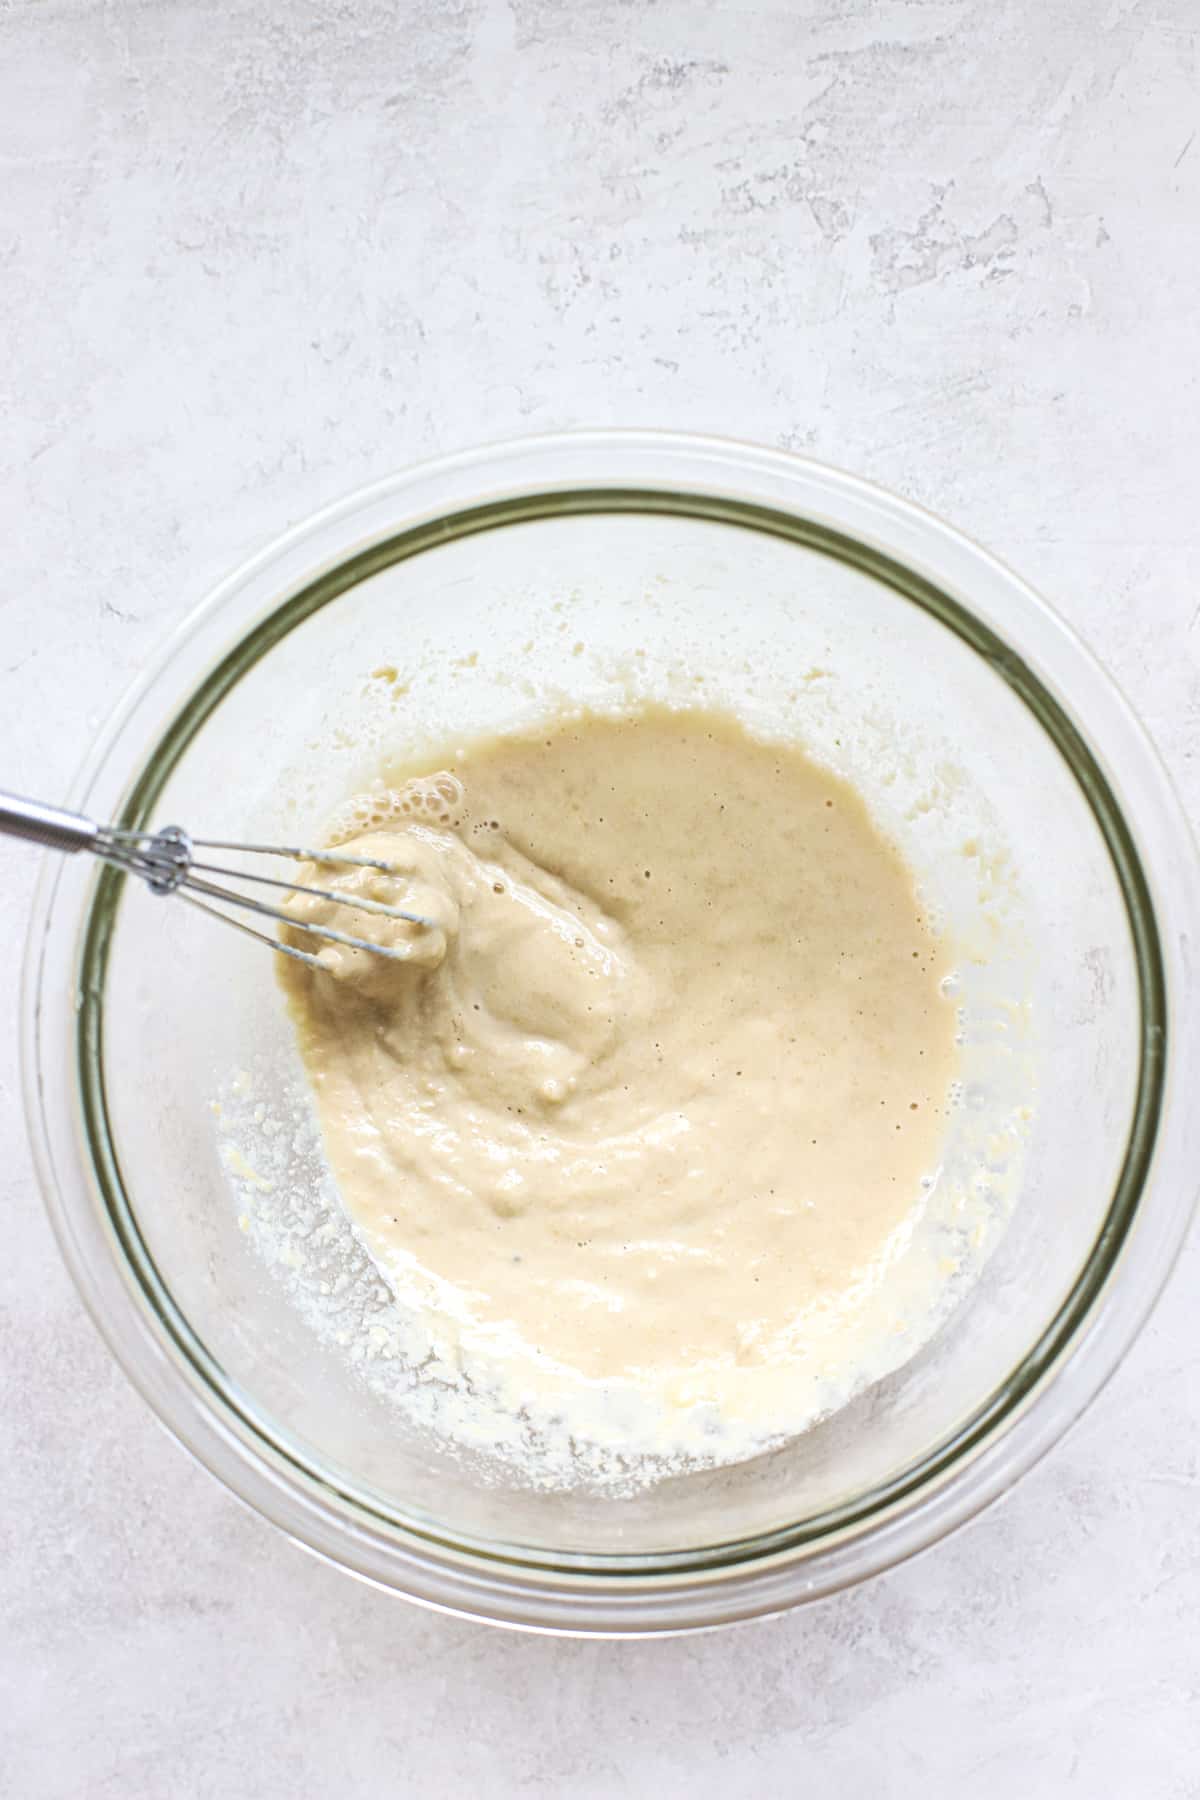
[651,1108]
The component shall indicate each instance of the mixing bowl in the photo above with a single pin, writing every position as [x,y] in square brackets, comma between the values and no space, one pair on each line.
[480,592]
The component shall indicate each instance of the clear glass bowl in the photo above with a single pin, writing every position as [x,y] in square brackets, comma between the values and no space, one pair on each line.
[470,594]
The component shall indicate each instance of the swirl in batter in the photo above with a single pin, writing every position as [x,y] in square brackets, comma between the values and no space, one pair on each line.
[651,1102]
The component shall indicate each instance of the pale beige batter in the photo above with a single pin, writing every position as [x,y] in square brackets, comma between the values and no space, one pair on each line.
[654,1099]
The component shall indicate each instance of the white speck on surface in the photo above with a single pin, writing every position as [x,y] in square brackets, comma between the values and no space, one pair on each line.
[253,256]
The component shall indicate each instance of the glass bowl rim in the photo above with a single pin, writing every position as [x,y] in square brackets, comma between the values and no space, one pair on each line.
[663,473]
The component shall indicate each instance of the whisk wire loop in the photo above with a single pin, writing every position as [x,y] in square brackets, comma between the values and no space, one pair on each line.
[167,862]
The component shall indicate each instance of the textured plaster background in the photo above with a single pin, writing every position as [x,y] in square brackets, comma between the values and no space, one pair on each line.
[256,252]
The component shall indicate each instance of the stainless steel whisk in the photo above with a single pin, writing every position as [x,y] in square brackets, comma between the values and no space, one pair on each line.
[167,862]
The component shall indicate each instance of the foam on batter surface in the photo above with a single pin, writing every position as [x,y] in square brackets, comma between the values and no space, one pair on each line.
[652,1106]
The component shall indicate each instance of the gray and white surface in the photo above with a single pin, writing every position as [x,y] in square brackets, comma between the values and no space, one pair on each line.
[254,253]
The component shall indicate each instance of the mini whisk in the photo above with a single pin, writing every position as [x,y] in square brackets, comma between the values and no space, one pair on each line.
[167,862]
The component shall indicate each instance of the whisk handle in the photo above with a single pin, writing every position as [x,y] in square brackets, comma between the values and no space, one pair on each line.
[52,826]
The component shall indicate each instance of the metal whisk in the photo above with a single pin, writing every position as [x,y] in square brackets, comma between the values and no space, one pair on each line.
[167,862]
